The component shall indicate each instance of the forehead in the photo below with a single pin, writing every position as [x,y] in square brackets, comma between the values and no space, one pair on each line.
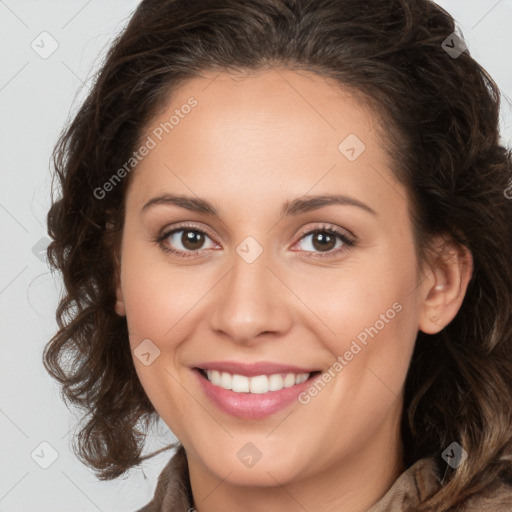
[254,134]
[282,97]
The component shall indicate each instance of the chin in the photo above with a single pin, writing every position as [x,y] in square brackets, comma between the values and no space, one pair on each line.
[273,468]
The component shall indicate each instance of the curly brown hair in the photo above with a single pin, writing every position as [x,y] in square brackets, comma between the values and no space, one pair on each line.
[441,116]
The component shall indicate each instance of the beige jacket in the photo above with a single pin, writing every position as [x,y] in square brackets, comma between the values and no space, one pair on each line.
[418,482]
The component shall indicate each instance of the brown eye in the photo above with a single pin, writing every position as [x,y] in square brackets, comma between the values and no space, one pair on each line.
[185,241]
[323,241]
[192,240]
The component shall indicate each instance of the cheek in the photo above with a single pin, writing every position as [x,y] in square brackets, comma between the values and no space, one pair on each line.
[367,316]
[157,296]
[157,299]
[370,356]
[356,299]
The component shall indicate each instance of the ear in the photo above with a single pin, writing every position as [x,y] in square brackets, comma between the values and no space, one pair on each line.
[444,285]
[119,307]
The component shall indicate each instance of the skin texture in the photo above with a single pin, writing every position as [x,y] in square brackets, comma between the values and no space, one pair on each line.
[253,142]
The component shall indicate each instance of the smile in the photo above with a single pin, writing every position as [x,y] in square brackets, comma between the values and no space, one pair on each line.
[252,391]
[258,384]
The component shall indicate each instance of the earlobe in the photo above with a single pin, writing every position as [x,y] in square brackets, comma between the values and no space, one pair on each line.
[445,287]
[119,307]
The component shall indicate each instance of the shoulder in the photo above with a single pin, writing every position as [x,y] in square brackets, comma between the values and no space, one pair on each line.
[173,489]
[422,481]
[494,498]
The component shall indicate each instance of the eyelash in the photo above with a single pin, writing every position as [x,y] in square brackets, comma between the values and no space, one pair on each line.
[349,242]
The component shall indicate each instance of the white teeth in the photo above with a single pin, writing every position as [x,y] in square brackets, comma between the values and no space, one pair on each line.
[289,380]
[239,384]
[226,380]
[258,384]
[302,377]
[275,382]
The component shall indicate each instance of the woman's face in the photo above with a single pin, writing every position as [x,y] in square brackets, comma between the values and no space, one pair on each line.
[260,162]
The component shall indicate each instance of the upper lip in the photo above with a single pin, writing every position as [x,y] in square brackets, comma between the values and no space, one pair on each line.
[252,369]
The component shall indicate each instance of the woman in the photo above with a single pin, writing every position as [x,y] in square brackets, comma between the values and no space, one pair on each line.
[283,229]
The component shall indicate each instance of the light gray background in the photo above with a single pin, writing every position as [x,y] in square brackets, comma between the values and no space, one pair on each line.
[37,96]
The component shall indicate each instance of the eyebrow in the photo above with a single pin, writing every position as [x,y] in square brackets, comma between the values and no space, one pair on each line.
[294,207]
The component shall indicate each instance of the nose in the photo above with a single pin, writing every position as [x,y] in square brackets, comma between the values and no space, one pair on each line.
[251,301]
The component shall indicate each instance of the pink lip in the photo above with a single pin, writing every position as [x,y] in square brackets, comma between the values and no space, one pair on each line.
[252,369]
[252,405]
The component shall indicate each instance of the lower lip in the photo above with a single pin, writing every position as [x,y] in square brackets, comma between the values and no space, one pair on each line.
[251,405]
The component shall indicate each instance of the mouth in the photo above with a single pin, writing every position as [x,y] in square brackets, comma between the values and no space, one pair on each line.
[258,384]
[256,391]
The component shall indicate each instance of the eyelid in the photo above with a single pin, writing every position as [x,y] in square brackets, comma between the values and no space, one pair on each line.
[165,232]
[325,226]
